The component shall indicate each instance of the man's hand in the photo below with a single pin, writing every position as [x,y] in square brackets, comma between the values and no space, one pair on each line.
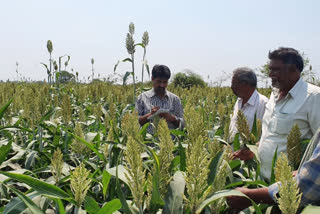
[144,119]
[294,173]
[168,117]
[243,154]
[154,109]
[259,196]
[238,202]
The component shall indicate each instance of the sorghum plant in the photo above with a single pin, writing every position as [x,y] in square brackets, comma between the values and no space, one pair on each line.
[57,164]
[290,197]
[165,156]
[77,146]
[130,125]
[145,42]
[243,127]
[80,183]
[294,147]
[196,174]
[135,175]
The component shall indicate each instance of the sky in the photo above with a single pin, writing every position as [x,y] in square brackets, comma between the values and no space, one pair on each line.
[211,37]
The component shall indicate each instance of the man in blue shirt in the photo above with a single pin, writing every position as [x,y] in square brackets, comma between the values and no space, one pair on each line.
[158,99]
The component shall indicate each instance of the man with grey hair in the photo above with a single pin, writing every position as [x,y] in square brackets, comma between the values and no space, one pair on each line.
[293,101]
[250,101]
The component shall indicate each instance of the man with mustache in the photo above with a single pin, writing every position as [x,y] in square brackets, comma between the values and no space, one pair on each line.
[158,99]
[293,101]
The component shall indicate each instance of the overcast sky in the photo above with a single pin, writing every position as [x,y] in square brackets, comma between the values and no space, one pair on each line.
[208,37]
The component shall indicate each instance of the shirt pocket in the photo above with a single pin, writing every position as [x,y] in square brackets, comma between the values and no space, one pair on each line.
[301,119]
[282,123]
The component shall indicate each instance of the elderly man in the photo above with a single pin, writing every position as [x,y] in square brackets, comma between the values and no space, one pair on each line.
[159,101]
[292,102]
[250,101]
[307,178]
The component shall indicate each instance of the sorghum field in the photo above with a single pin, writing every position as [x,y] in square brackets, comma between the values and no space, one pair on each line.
[78,148]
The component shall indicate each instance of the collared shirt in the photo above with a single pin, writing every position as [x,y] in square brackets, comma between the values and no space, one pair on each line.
[170,102]
[254,106]
[308,177]
[301,107]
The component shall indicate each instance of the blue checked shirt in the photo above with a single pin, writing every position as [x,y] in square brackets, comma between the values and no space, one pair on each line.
[308,177]
[170,101]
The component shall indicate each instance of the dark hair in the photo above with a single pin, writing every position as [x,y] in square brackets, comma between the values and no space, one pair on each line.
[288,56]
[161,71]
[247,75]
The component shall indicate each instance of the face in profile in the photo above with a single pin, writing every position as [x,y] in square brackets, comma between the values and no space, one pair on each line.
[236,86]
[279,74]
[160,85]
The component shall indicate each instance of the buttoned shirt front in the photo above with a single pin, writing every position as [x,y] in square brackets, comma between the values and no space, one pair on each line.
[170,102]
[254,106]
[301,107]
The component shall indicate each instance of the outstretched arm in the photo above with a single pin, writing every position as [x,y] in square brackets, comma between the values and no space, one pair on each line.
[260,195]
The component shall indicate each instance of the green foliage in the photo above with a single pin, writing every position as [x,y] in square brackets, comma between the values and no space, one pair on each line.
[4,151]
[40,186]
[311,210]
[30,204]
[187,80]
[66,77]
[92,125]
[174,196]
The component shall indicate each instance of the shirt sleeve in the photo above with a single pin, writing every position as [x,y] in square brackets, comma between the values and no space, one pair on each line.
[273,191]
[140,106]
[262,107]
[314,114]
[308,179]
[178,111]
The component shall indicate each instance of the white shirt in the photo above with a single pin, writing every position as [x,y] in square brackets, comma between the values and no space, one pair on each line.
[301,106]
[255,105]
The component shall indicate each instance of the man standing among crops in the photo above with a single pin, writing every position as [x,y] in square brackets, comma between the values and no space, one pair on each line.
[159,101]
[307,178]
[293,101]
[250,101]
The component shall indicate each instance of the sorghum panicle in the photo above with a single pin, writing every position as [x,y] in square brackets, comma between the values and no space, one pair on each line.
[290,197]
[80,183]
[165,156]
[196,174]
[136,173]
[294,147]
[243,127]
[57,164]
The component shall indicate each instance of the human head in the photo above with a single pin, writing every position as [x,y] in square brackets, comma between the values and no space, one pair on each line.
[286,65]
[160,77]
[244,81]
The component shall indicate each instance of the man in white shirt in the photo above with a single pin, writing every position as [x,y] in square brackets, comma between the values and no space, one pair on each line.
[250,101]
[292,102]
